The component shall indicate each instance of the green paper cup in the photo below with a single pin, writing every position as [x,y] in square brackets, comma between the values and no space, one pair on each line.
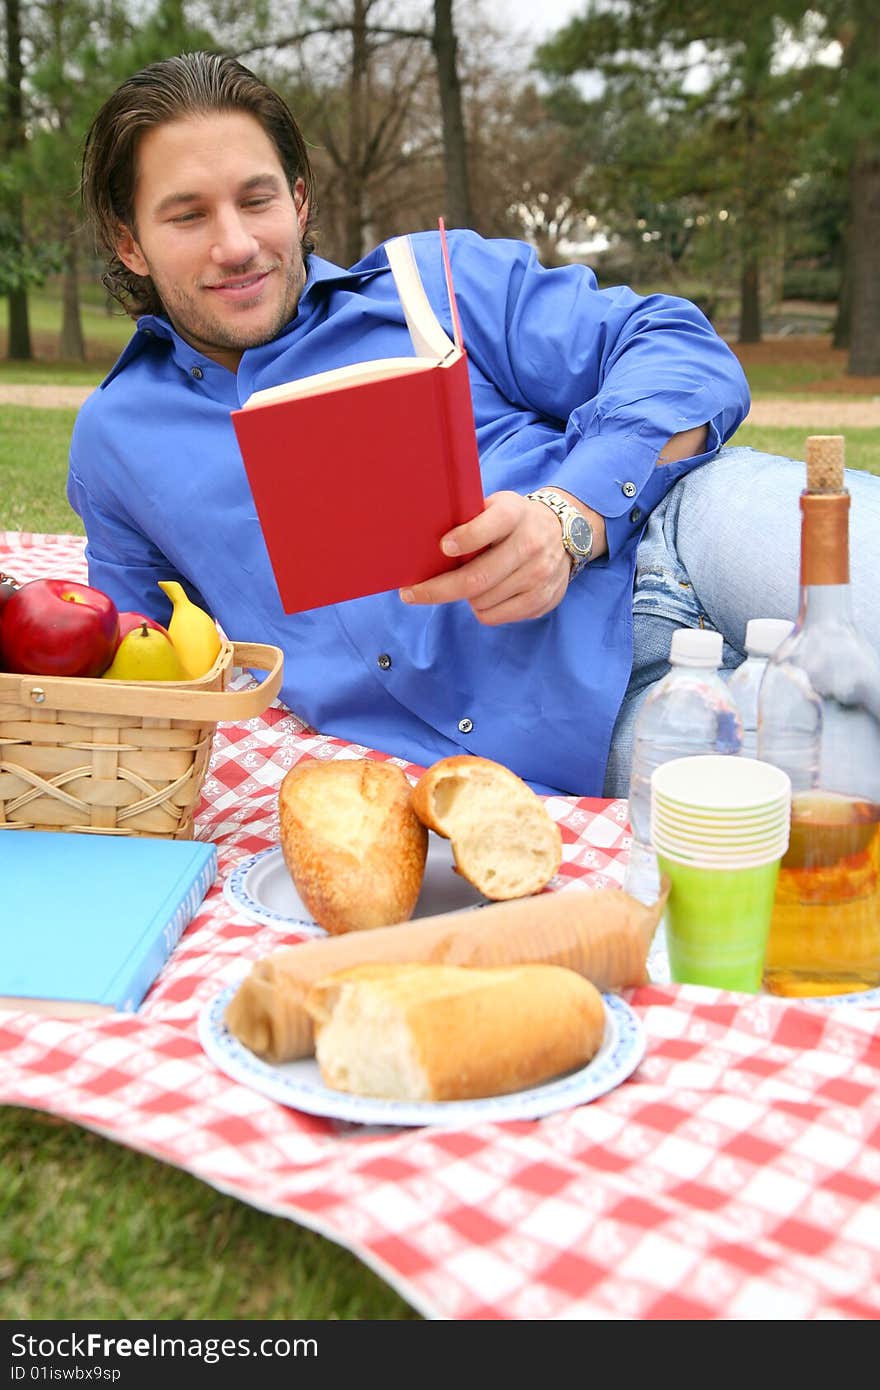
[717,923]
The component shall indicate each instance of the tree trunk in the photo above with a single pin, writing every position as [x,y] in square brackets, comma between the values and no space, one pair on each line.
[859,65]
[71,343]
[864,259]
[19,344]
[445,46]
[753,216]
[357,133]
[843,317]
[19,348]
[750,300]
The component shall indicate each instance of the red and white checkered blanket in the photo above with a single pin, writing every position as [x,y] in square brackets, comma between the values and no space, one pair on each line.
[734,1175]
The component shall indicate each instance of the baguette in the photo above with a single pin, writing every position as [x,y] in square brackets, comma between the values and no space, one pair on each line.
[444,1032]
[603,935]
[503,840]
[351,842]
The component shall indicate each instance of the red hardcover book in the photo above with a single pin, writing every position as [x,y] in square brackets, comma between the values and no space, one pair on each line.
[356,473]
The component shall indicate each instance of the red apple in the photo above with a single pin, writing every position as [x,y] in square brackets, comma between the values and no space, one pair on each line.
[56,627]
[129,620]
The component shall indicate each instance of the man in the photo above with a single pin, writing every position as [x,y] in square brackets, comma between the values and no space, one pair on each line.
[197,183]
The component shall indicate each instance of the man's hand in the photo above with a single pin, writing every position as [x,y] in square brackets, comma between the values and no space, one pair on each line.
[521,570]
[519,567]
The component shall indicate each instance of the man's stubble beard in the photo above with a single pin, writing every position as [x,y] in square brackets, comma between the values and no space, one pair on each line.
[204,332]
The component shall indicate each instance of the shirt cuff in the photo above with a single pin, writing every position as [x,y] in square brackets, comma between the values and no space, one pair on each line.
[628,500]
[607,469]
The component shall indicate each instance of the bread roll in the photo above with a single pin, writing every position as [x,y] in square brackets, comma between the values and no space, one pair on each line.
[444,1032]
[503,840]
[603,935]
[351,842]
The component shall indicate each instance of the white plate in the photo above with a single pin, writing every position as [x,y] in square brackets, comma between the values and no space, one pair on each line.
[299,1085]
[262,888]
[659,974]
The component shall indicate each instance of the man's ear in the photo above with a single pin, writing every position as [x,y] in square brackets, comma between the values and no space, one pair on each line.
[130,253]
[301,203]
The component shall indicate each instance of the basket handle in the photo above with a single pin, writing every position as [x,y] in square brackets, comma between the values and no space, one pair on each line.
[124,697]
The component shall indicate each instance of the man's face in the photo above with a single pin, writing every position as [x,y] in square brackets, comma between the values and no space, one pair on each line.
[218,232]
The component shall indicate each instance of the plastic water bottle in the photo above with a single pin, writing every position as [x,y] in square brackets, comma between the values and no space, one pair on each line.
[763,636]
[687,713]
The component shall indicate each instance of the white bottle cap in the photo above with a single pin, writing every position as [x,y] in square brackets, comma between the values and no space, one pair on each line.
[696,646]
[763,635]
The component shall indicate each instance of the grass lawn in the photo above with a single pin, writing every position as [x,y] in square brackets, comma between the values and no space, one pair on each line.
[33,469]
[862,445]
[92,1230]
[802,368]
[105,332]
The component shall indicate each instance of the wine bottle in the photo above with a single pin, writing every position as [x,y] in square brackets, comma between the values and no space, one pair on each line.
[819,720]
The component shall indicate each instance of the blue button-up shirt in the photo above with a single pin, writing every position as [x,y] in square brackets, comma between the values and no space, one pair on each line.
[572,386]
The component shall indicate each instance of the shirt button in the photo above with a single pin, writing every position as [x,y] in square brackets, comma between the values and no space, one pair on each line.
[384,662]
[465,726]
[635,515]
[196,372]
[629,489]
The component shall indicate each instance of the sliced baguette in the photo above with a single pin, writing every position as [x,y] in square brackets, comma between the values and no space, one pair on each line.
[503,840]
[426,1032]
[351,842]
[603,935]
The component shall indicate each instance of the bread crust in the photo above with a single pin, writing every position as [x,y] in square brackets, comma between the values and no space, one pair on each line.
[423,1032]
[503,839]
[603,935]
[352,843]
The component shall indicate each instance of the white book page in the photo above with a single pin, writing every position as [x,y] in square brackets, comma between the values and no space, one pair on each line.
[354,375]
[426,331]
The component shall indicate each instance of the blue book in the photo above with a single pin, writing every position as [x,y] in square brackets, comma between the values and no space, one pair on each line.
[88,921]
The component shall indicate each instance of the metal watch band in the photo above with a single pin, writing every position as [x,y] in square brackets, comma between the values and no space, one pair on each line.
[567,514]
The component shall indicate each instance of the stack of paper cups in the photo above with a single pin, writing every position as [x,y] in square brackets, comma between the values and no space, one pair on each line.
[720,812]
[720,826]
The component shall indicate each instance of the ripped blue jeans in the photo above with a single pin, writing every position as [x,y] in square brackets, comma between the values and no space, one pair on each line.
[723,547]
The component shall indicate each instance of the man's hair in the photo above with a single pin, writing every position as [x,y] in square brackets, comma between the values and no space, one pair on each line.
[192,84]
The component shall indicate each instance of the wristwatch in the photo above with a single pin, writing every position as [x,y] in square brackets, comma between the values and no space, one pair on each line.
[577,533]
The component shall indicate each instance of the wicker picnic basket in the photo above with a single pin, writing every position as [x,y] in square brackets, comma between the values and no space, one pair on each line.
[119,757]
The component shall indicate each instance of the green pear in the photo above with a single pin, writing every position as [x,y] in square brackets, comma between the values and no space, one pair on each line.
[145,654]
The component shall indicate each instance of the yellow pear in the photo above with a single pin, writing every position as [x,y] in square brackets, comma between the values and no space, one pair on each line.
[145,654]
[192,631]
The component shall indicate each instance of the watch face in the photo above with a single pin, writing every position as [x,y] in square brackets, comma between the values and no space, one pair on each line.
[580,534]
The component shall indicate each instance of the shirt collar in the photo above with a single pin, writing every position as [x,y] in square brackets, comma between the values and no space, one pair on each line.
[321,276]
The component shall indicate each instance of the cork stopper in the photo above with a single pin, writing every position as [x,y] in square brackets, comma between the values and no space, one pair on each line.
[825,504]
[825,463]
